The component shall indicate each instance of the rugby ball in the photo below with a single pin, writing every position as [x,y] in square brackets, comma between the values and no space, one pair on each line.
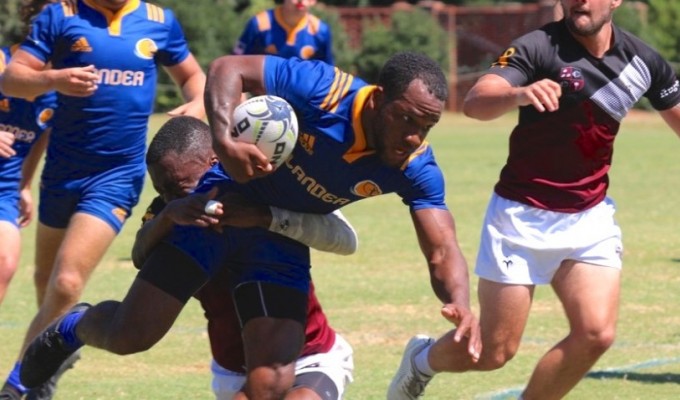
[270,123]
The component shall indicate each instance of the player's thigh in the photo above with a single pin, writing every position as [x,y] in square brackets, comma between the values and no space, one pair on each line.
[84,244]
[504,310]
[589,294]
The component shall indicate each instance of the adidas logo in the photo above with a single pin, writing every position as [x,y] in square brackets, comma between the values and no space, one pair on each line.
[81,45]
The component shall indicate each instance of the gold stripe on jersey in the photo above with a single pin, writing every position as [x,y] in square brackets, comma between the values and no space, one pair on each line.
[313,24]
[3,61]
[115,20]
[70,7]
[263,23]
[420,150]
[339,88]
[155,13]
[358,148]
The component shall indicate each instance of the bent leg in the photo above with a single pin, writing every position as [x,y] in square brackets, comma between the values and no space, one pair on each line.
[166,282]
[47,242]
[84,244]
[504,310]
[590,297]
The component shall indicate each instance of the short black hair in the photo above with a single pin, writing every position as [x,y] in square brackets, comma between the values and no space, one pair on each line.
[182,135]
[403,68]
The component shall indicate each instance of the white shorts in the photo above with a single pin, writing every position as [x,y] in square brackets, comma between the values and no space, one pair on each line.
[337,364]
[525,245]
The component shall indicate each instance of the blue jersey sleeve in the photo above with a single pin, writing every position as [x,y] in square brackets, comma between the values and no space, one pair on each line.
[249,42]
[177,48]
[303,84]
[43,33]
[428,188]
[327,47]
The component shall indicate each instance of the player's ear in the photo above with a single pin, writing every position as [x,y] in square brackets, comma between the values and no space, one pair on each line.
[213,160]
[378,96]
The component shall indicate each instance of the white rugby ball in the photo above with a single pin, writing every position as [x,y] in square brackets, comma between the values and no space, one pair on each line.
[270,123]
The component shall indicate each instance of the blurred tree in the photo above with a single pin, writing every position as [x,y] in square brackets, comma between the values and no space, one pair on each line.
[10,22]
[409,30]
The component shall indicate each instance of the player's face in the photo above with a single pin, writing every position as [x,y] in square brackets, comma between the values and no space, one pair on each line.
[174,178]
[113,5]
[405,122]
[587,17]
[299,5]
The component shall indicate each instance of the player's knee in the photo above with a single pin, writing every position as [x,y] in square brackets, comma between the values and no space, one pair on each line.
[596,342]
[269,382]
[67,285]
[493,359]
[8,266]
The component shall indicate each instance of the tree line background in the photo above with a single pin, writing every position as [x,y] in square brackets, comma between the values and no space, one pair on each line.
[213,26]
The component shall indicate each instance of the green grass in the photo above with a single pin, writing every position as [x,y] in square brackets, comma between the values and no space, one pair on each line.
[380,296]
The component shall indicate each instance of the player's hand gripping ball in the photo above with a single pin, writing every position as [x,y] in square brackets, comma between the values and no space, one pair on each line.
[270,123]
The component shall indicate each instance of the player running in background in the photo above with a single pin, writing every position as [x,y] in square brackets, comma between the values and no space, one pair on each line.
[549,220]
[24,129]
[358,141]
[179,154]
[287,30]
[103,56]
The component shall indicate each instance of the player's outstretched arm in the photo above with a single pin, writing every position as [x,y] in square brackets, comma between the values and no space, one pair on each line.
[493,96]
[228,77]
[449,277]
[26,77]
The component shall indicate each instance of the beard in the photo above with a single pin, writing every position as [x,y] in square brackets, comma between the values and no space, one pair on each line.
[591,28]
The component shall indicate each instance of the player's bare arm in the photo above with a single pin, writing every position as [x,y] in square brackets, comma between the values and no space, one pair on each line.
[26,77]
[672,118]
[228,77]
[28,168]
[493,96]
[189,76]
[449,277]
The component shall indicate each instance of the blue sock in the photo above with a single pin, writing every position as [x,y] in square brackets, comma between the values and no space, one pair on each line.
[67,328]
[14,380]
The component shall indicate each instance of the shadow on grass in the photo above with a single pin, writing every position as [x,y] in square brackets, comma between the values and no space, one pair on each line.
[636,376]
[677,260]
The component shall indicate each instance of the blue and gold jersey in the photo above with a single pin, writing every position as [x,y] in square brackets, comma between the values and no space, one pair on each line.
[27,120]
[267,33]
[331,165]
[108,128]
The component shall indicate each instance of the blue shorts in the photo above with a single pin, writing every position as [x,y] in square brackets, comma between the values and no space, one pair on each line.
[9,205]
[252,254]
[109,195]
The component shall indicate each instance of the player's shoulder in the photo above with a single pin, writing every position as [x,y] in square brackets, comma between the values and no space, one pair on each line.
[156,13]
[262,21]
[633,44]
[421,161]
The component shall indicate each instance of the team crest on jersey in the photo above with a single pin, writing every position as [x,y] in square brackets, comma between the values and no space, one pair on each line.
[571,79]
[366,188]
[44,116]
[503,60]
[4,105]
[307,52]
[146,49]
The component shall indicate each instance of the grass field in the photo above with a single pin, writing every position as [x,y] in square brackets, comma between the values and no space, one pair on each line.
[380,297]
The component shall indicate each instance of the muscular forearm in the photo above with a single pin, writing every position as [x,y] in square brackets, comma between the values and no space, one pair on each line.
[22,81]
[490,99]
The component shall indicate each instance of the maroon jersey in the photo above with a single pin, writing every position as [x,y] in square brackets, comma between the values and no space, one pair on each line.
[560,160]
[224,330]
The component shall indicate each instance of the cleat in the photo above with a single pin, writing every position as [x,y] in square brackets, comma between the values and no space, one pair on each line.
[47,390]
[409,383]
[47,352]
[9,392]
